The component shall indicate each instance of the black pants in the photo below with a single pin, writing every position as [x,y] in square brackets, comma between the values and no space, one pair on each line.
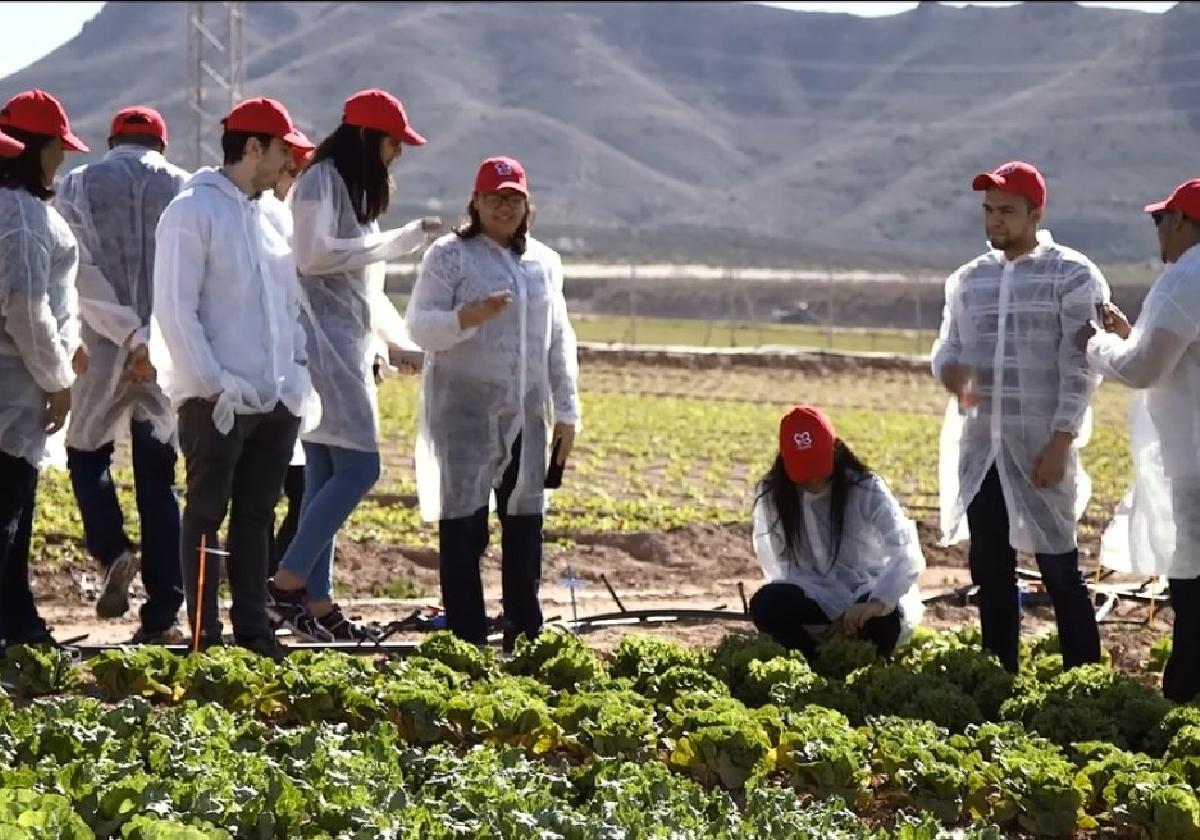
[993,563]
[782,609]
[293,491]
[242,473]
[461,544]
[158,509]
[1181,679]
[19,619]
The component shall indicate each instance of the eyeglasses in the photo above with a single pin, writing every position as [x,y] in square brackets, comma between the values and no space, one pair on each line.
[494,201]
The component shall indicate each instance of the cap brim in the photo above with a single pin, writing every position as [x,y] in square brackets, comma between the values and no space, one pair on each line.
[987,181]
[411,138]
[512,185]
[1158,206]
[73,144]
[297,141]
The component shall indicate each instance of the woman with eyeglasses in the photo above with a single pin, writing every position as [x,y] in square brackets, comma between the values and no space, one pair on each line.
[341,256]
[839,555]
[499,398]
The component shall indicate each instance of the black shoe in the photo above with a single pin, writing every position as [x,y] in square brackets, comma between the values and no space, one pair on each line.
[170,636]
[265,646]
[335,627]
[284,606]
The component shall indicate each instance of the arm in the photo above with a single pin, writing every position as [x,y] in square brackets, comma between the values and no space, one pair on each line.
[26,314]
[319,249]
[178,335]
[1158,341]
[98,302]
[902,556]
[432,318]
[1082,290]
[564,359]
[947,349]
[768,539]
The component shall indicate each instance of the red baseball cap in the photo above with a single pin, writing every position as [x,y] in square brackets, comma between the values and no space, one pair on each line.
[1016,177]
[1185,199]
[301,152]
[501,173]
[38,112]
[10,146]
[139,119]
[381,111]
[264,116]
[806,440]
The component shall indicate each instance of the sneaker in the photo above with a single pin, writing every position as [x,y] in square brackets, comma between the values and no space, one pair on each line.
[114,598]
[334,627]
[284,606]
[171,636]
[265,646]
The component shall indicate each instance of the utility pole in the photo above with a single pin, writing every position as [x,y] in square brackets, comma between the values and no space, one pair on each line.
[216,74]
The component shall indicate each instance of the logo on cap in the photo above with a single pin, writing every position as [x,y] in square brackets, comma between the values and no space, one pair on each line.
[502,168]
[803,440]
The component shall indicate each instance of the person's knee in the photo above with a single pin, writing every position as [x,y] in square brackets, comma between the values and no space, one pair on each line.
[991,571]
[1060,572]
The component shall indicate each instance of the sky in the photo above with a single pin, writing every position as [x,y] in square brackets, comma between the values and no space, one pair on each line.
[32,30]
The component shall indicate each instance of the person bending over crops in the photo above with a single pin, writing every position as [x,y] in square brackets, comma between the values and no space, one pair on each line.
[488,309]
[839,554]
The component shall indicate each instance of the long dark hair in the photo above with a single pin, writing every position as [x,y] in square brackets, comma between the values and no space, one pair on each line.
[355,154]
[24,172]
[784,494]
[473,227]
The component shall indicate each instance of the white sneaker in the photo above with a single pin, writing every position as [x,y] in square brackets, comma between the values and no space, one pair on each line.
[114,597]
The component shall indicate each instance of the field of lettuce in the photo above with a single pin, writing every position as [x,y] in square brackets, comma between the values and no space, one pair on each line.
[654,741]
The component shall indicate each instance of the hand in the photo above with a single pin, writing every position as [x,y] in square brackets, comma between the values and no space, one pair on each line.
[1050,465]
[955,377]
[138,369]
[431,224]
[564,437]
[58,406]
[856,615]
[1083,336]
[406,361]
[838,627]
[79,361]
[1114,321]
[475,312]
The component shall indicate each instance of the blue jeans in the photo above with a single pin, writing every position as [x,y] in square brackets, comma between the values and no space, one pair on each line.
[158,509]
[335,481]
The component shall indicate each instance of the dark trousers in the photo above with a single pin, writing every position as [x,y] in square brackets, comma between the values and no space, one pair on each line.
[781,610]
[1181,679]
[158,510]
[461,544]
[293,491]
[19,619]
[242,473]
[993,563]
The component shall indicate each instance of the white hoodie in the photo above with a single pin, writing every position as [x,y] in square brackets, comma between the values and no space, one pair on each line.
[225,318]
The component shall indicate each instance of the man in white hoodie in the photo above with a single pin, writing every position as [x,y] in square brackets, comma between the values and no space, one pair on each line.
[113,207]
[229,351]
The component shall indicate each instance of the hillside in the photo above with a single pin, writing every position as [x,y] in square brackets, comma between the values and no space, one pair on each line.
[718,127]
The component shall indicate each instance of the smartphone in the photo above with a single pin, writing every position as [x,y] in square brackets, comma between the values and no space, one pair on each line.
[554,473]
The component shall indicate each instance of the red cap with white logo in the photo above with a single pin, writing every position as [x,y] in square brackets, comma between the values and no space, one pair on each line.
[501,173]
[806,439]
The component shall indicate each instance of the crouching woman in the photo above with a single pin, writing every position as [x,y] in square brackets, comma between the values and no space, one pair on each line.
[839,554]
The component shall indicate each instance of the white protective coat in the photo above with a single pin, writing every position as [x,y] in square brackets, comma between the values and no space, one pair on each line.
[39,322]
[879,554]
[113,207]
[1156,529]
[280,216]
[483,386]
[1014,323]
[347,318]
[225,319]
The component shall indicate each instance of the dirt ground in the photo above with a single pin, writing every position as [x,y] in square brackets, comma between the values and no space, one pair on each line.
[697,567]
